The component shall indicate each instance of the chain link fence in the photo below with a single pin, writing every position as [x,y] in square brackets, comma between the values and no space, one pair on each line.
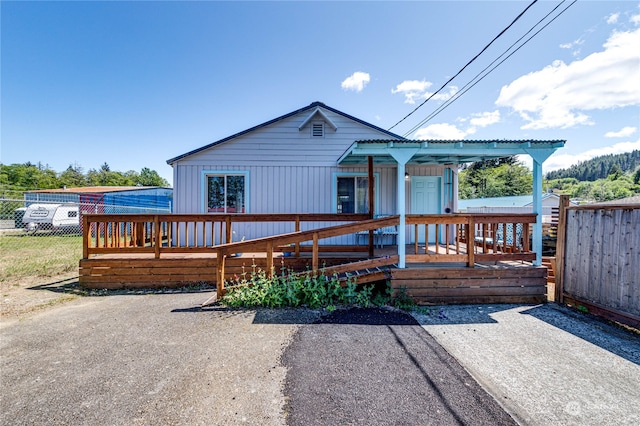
[44,238]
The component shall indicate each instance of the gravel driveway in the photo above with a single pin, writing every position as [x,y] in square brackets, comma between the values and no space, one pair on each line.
[145,359]
[158,359]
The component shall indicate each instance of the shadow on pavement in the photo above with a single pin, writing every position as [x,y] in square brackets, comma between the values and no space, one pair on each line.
[461,314]
[616,340]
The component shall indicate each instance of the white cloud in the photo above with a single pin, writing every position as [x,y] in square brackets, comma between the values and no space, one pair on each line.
[451,131]
[559,160]
[613,18]
[578,42]
[622,133]
[484,119]
[356,81]
[635,19]
[440,131]
[414,90]
[558,95]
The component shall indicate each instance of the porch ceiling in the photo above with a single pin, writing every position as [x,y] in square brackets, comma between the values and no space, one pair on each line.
[445,151]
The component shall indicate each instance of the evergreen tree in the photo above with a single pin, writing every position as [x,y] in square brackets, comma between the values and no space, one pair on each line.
[495,178]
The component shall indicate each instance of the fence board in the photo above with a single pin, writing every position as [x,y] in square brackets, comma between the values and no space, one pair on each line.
[601,257]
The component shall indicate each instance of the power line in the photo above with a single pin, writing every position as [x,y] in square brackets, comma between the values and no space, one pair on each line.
[475,80]
[467,64]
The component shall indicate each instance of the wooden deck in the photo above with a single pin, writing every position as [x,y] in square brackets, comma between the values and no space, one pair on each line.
[427,283]
[447,272]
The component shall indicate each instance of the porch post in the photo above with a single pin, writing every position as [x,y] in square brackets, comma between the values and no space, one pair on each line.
[402,156]
[537,209]
[538,156]
[402,199]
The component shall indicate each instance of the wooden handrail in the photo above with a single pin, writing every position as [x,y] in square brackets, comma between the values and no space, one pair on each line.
[192,233]
[136,233]
[464,228]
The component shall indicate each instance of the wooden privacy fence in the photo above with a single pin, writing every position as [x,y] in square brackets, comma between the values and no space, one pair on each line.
[599,257]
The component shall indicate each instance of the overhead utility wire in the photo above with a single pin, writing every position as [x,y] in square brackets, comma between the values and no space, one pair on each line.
[468,63]
[474,81]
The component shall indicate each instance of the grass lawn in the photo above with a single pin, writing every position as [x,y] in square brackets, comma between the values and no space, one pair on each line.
[40,255]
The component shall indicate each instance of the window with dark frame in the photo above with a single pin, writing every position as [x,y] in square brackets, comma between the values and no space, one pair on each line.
[226,193]
[353,194]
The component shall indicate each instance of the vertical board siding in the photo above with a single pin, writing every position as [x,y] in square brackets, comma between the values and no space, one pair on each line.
[602,257]
[287,189]
[288,171]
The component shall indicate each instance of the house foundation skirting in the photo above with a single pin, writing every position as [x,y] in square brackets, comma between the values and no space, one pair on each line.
[490,284]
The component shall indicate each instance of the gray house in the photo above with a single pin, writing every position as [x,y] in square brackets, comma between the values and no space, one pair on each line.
[315,160]
[290,165]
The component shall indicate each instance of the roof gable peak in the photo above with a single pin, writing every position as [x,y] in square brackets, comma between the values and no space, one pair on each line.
[322,115]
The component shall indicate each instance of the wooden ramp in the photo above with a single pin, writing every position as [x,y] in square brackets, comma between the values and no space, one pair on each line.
[364,271]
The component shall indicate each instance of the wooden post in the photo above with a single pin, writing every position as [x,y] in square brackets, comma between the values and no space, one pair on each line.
[269,259]
[297,250]
[446,238]
[157,240]
[220,257]
[139,234]
[561,236]
[371,203]
[314,261]
[371,191]
[526,242]
[85,237]
[228,238]
[471,242]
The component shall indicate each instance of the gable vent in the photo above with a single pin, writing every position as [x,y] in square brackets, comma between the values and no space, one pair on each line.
[317,130]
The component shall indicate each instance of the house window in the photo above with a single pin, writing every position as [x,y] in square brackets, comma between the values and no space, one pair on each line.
[226,193]
[352,194]
[317,130]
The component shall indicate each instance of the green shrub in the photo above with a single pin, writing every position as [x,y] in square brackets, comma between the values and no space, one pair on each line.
[294,290]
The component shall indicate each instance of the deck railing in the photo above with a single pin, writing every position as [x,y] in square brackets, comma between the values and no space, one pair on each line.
[471,238]
[463,238]
[179,233]
[497,236]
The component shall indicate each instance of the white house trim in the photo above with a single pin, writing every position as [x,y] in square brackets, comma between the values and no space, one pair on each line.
[319,112]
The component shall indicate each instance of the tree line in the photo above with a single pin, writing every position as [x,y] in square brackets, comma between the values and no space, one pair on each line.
[29,176]
[599,167]
[507,177]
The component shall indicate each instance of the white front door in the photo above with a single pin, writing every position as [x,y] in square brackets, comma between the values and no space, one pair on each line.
[426,199]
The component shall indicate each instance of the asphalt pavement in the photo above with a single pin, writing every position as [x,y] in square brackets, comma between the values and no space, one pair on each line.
[161,359]
[545,364]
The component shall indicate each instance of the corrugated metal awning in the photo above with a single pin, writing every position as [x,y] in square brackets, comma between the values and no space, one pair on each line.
[445,151]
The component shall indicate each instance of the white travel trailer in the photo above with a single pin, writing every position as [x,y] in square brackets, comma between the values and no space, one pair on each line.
[51,216]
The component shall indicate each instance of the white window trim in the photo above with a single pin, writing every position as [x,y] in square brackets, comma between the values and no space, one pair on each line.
[334,188]
[204,187]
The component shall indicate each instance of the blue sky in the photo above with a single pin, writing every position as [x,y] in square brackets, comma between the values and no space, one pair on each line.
[136,83]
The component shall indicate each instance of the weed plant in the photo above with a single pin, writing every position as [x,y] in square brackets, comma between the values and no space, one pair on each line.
[258,289]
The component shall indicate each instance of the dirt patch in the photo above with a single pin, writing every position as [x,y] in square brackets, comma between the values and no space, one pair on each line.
[27,295]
